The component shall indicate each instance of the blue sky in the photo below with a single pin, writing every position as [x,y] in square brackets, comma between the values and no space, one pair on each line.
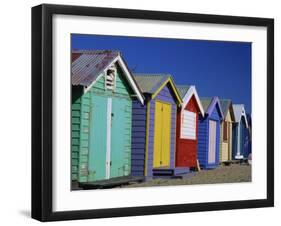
[216,68]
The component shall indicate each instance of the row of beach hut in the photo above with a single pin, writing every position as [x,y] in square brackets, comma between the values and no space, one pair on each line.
[143,125]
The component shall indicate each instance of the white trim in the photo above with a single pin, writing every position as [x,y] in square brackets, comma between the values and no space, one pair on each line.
[130,79]
[128,75]
[243,114]
[86,89]
[192,91]
[238,140]
[239,156]
[113,80]
[108,138]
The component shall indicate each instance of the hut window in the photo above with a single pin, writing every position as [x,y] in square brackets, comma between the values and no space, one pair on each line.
[225,132]
[188,125]
[110,78]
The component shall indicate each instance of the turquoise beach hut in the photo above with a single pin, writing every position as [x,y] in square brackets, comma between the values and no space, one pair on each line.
[102,93]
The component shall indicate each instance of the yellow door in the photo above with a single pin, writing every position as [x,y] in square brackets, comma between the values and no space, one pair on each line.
[166,134]
[162,131]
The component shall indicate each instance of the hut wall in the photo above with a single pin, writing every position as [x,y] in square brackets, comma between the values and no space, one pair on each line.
[138,138]
[84,138]
[222,144]
[226,146]
[234,139]
[75,130]
[186,149]
[243,134]
[164,95]
[203,140]
[247,142]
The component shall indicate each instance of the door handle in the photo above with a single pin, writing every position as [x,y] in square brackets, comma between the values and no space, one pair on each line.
[111,119]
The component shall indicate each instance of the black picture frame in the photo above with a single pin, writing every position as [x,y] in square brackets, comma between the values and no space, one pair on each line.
[42,111]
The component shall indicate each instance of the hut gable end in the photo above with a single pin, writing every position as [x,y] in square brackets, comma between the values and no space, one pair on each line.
[121,86]
[89,66]
[192,105]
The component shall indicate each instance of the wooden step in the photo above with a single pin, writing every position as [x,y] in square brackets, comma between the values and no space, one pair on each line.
[110,183]
[170,171]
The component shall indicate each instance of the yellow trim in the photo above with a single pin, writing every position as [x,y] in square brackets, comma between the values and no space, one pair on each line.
[147,137]
[163,102]
[173,87]
[175,137]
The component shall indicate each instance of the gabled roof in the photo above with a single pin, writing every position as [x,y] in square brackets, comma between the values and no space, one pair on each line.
[239,112]
[153,83]
[186,92]
[226,104]
[88,65]
[150,83]
[209,104]
[183,90]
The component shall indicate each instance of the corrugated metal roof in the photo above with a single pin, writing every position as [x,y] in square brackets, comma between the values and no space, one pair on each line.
[182,89]
[225,104]
[209,104]
[90,64]
[149,83]
[206,101]
[238,110]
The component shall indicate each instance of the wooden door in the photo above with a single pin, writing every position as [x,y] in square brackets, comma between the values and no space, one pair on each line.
[166,135]
[98,137]
[212,141]
[242,138]
[162,133]
[120,137]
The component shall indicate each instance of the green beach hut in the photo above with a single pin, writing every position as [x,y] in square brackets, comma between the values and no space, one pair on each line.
[102,93]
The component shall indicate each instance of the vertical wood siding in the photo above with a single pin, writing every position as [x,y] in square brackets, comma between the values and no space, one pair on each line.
[186,149]
[226,146]
[121,128]
[162,125]
[204,136]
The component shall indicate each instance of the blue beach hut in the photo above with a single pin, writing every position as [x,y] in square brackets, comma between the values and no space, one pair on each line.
[209,133]
[240,132]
